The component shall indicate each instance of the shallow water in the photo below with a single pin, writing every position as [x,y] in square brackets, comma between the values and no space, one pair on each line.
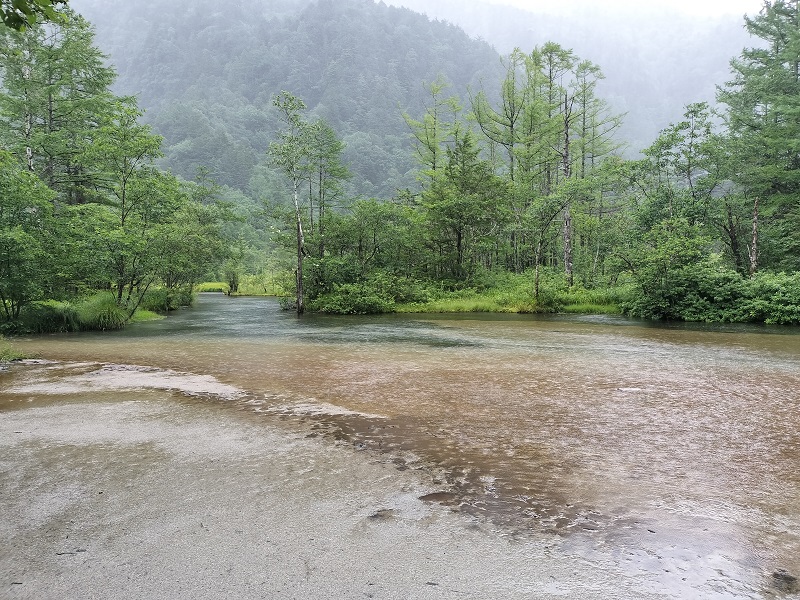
[672,450]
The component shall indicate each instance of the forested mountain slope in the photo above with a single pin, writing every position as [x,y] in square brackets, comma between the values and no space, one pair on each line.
[205,73]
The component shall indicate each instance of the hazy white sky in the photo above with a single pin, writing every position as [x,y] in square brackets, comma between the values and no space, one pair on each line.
[695,7]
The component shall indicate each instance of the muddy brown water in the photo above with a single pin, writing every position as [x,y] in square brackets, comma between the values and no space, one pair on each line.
[673,450]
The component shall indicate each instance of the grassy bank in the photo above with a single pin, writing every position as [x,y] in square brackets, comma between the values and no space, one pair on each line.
[8,353]
[576,300]
[496,293]
[98,312]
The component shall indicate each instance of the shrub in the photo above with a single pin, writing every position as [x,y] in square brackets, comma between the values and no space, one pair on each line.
[44,317]
[772,298]
[354,299]
[101,312]
[166,299]
[211,286]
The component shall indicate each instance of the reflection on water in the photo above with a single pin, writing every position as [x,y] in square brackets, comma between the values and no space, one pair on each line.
[672,449]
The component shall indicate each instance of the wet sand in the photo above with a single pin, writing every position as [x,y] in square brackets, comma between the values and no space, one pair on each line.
[148,493]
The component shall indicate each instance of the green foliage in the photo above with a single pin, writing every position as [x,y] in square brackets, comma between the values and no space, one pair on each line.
[211,286]
[141,316]
[711,292]
[44,317]
[8,353]
[763,117]
[354,299]
[26,228]
[772,298]
[101,312]
[20,14]
[55,96]
[378,293]
[161,300]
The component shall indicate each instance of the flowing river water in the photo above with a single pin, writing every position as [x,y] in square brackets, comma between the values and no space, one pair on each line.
[671,450]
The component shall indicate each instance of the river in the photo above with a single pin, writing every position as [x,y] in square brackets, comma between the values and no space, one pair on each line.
[671,450]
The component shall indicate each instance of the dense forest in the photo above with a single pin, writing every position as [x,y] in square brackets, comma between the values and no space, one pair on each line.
[356,157]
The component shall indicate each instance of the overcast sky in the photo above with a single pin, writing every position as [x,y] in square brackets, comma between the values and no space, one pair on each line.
[696,7]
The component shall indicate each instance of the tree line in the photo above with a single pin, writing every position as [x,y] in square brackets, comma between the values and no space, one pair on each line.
[521,193]
[83,206]
[531,184]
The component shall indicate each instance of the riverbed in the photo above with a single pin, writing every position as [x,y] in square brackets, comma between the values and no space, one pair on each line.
[544,456]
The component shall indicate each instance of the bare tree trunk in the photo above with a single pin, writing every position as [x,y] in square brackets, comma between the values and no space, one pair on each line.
[567,171]
[568,271]
[536,271]
[300,244]
[754,243]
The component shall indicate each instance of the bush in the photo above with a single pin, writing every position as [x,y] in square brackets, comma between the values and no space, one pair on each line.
[772,298]
[711,292]
[354,299]
[44,317]
[100,312]
[166,299]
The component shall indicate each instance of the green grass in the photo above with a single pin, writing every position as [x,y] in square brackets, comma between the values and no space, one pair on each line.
[212,286]
[591,309]
[141,316]
[464,305]
[100,312]
[8,353]
[509,293]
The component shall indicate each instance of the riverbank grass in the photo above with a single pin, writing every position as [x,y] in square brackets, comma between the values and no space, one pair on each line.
[515,294]
[8,353]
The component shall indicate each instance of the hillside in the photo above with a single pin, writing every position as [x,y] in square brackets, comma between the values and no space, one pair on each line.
[656,60]
[206,75]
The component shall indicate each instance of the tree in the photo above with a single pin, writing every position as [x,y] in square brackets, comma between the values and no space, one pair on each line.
[20,14]
[135,202]
[763,117]
[291,154]
[464,208]
[326,173]
[437,128]
[55,96]
[26,225]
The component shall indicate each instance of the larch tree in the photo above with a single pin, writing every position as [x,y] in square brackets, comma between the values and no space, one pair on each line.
[763,117]
[436,130]
[55,96]
[291,154]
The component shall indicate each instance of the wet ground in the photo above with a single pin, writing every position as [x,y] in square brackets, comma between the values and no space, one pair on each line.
[117,488]
[665,454]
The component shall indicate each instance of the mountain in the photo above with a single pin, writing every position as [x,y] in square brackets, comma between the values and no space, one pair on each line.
[206,71]
[656,59]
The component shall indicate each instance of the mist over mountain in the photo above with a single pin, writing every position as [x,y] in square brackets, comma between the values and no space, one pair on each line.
[656,59]
[205,71]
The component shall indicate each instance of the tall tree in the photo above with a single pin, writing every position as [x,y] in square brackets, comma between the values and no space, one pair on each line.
[26,234]
[465,209]
[437,128]
[290,153]
[55,96]
[763,116]
[326,174]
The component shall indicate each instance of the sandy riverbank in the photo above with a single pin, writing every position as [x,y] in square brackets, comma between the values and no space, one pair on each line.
[148,494]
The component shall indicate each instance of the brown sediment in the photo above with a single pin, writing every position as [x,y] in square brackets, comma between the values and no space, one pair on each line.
[140,494]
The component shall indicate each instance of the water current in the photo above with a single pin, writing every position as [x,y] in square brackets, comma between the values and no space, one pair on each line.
[673,450]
